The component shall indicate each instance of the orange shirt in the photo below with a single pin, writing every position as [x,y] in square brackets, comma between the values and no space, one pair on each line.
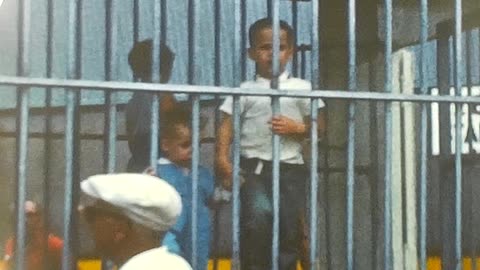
[35,253]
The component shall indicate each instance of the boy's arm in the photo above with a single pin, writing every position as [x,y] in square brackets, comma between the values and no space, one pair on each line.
[286,126]
[222,159]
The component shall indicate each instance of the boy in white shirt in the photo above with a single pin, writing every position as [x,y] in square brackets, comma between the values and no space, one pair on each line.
[257,125]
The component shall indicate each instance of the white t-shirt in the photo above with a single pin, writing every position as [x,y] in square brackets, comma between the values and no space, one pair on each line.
[156,259]
[256,112]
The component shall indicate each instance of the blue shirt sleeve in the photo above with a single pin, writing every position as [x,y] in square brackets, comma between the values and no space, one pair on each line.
[171,242]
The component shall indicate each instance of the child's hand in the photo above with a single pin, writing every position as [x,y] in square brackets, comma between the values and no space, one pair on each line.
[150,171]
[283,125]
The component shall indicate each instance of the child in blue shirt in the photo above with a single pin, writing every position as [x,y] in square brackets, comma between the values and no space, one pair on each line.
[175,167]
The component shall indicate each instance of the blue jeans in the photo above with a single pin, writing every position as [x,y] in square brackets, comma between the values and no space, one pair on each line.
[256,218]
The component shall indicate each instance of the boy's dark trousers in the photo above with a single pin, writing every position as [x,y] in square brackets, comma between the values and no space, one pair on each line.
[256,220]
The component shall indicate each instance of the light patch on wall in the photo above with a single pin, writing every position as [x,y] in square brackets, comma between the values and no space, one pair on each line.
[1,2]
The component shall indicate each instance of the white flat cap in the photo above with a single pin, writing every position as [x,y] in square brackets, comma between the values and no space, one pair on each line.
[146,200]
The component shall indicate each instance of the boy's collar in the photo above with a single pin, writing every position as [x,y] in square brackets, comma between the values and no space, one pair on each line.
[284,76]
[164,161]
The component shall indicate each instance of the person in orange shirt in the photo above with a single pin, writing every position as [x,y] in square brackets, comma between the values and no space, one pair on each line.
[35,243]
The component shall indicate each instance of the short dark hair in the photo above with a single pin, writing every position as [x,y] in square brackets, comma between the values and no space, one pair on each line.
[180,115]
[140,59]
[263,23]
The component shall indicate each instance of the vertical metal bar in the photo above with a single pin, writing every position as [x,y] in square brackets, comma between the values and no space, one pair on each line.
[136,19]
[68,260]
[110,96]
[217,78]
[217,34]
[193,6]
[275,7]
[243,38]
[48,133]
[192,23]
[458,134]
[295,30]
[352,85]
[470,132]
[24,9]
[315,73]
[71,138]
[423,135]
[388,137]
[158,13]
[238,71]
[470,138]
[236,183]
[195,164]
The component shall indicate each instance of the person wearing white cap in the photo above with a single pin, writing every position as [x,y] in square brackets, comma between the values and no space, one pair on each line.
[128,215]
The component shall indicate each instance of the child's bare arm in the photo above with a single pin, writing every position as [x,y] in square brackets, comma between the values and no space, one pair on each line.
[286,126]
[222,160]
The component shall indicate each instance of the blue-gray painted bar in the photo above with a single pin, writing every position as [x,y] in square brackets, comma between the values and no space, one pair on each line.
[314,190]
[136,19]
[193,6]
[238,71]
[236,184]
[68,257]
[77,85]
[458,134]
[388,138]
[352,85]
[295,30]
[110,72]
[470,130]
[313,184]
[22,155]
[275,7]
[217,80]
[24,9]
[157,29]
[243,39]
[74,32]
[218,54]
[48,131]
[195,164]
[423,136]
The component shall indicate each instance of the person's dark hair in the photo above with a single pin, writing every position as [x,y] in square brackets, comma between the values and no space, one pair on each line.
[263,23]
[140,60]
[179,116]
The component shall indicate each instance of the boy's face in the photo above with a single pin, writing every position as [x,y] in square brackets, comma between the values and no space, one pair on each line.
[178,149]
[262,52]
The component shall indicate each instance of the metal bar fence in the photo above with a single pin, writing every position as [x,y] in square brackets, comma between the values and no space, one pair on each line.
[388,263]
[48,131]
[352,85]
[71,142]
[74,86]
[111,25]
[458,134]
[274,84]
[239,72]
[24,10]
[423,136]
[314,178]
